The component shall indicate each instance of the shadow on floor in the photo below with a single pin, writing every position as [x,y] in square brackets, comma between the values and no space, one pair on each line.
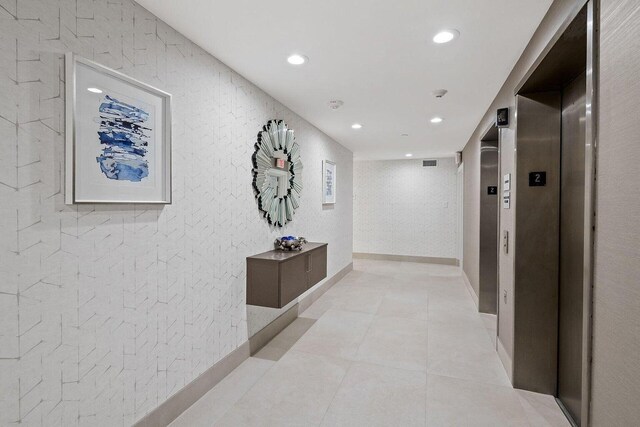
[281,343]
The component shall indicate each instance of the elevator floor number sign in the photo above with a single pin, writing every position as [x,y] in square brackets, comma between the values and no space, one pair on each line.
[537,179]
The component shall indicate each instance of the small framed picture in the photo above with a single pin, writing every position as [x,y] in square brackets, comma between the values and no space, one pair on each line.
[328,182]
[118,137]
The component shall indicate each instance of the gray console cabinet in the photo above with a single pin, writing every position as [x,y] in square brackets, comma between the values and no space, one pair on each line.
[276,278]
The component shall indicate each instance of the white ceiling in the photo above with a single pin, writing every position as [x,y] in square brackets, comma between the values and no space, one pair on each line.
[375,55]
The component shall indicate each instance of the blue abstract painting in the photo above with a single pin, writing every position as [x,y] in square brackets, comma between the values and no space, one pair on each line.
[124,140]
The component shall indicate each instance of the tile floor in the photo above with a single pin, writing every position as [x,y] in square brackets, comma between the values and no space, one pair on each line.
[392,344]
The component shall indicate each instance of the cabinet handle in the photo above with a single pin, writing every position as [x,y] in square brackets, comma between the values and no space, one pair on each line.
[309,263]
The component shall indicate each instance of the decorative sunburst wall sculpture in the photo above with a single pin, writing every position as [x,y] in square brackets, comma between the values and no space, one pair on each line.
[277,173]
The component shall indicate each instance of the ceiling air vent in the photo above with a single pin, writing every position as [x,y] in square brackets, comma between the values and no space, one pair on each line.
[429,163]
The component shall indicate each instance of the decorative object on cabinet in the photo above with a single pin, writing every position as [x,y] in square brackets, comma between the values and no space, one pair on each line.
[328,182]
[276,278]
[277,173]
[118,137]
[289,243]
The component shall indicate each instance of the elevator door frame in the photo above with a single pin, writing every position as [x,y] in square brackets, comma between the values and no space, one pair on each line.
[570,282]
[592,55]
[489,222]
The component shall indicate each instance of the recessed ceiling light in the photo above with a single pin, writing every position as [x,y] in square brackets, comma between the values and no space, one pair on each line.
[408,155]
[436,120]
[297,59]
[445,36]
[94,90]
[356,126]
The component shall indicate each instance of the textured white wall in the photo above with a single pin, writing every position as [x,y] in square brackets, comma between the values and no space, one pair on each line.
[403,208]
[106,311]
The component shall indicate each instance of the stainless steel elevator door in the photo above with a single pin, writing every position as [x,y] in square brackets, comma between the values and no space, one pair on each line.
[572,188]
[488,298]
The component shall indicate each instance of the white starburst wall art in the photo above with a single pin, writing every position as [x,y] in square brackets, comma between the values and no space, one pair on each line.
[277,173]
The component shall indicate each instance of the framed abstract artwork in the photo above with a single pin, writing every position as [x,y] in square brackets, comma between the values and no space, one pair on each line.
[328,182]
[118,137]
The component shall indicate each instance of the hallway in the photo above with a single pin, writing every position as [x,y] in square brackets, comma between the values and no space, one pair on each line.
[392,344]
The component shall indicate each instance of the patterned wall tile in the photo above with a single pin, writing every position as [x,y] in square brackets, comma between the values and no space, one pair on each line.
[403,208]
[106,311]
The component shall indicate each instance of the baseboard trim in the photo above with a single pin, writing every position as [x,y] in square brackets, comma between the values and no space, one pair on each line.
[407,258]
[472,292]
[505,359]
[174,406]
[171,408]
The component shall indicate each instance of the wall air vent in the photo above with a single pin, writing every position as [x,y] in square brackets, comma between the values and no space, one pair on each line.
[429,163]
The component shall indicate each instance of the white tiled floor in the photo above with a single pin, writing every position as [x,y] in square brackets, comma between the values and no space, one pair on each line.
[392,344]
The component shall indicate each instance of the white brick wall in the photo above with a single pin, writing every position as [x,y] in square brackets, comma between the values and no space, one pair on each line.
[402,208]
[106,311]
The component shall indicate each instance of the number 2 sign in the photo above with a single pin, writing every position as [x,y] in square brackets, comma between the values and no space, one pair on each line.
[537,179]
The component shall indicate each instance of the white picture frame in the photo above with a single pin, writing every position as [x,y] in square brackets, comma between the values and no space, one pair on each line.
[329,182]
[118,137]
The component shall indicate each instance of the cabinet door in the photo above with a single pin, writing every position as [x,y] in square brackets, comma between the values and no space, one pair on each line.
[293,279]
[317,265]
[262,283]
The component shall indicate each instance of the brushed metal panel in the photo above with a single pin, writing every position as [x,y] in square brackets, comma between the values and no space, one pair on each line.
[488,297]
[536,243]
[506,260]
[591,137]
[616,317]
[572,189]
[564,62]
[491,134]
[471,215]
